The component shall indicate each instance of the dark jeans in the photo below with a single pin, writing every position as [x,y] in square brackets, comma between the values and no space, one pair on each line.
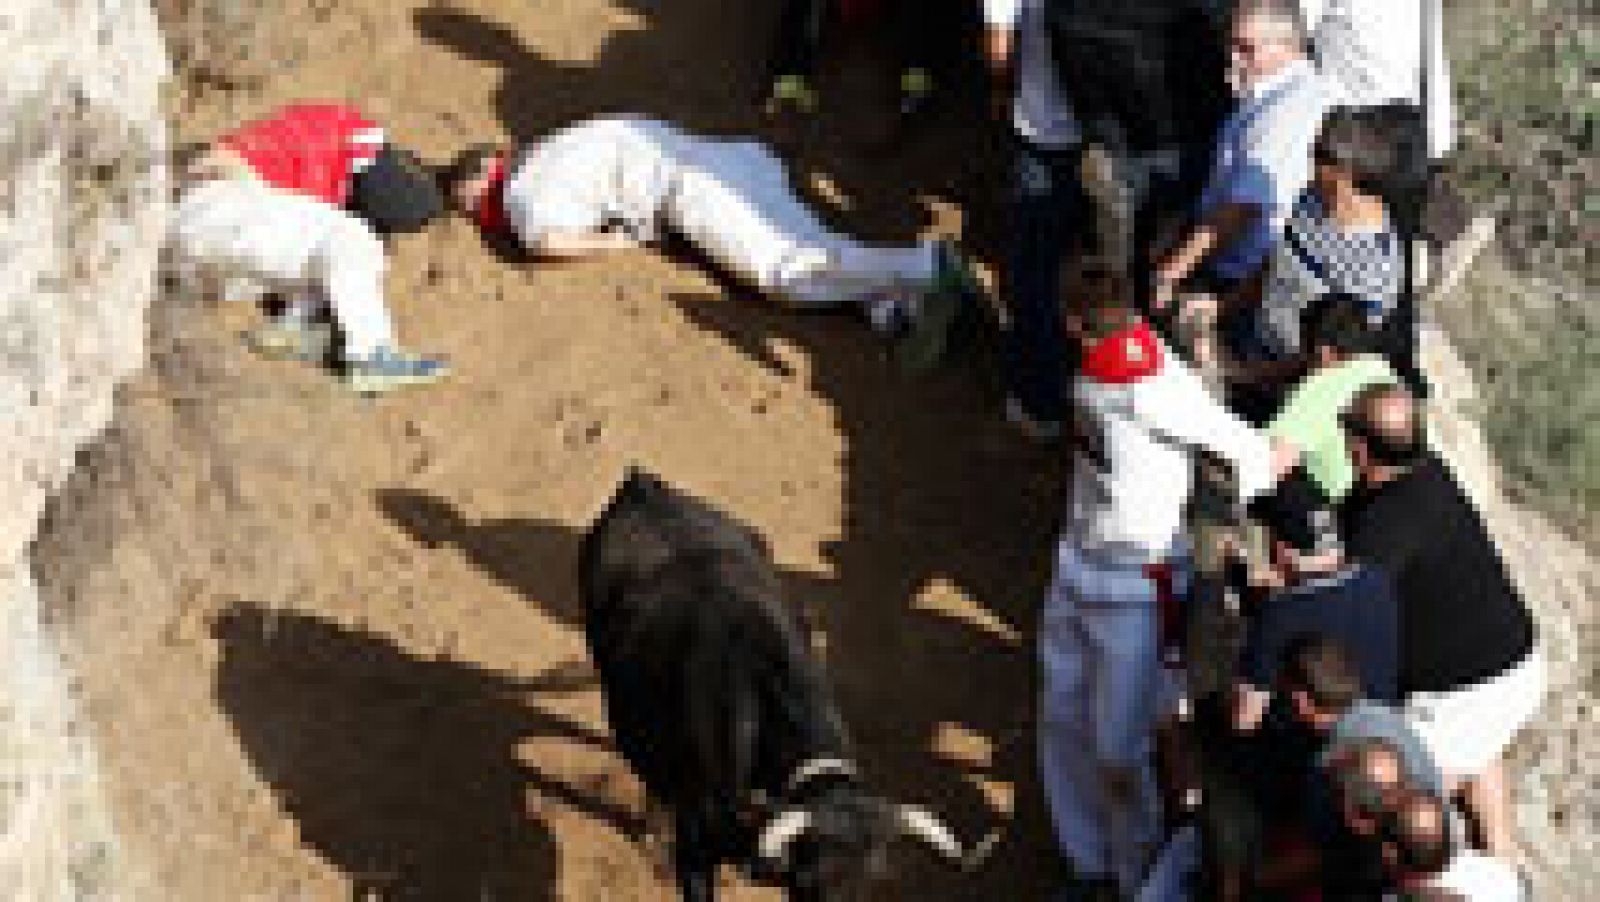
[1046,198]
[924,33]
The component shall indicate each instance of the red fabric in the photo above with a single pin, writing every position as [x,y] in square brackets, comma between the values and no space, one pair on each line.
[1169,611]
[490,214]
[306,148]
[1126,355]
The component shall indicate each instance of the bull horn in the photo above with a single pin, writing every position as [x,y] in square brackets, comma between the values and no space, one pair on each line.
[920,823]
[782,830]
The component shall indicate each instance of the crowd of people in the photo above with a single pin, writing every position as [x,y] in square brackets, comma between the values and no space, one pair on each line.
[1281,657]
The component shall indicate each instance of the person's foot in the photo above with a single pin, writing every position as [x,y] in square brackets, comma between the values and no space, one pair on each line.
[791,93]
[952,287]
[290,338]
[1040,430]
[916,92]
[387,369]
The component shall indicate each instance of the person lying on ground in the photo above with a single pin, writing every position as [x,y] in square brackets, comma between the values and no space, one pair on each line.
[619,181]
[292,205]
[1471,668]
[1426,860]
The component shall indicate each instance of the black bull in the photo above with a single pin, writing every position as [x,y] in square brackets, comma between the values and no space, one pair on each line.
[718,705]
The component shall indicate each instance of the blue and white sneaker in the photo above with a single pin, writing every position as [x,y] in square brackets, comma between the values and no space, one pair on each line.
[290,338]
[387,369]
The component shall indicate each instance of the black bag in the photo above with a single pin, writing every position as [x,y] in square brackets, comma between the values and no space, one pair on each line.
[1141,75]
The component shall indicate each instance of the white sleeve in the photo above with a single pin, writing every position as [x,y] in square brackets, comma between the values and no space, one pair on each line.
[1002,13]
[536,206]
[1174,403]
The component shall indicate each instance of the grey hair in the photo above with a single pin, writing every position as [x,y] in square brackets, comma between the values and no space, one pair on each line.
[1286,13]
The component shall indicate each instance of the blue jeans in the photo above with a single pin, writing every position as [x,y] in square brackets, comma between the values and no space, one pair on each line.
[1045,199]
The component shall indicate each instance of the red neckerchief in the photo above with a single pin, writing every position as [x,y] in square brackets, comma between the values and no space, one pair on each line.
[490,214]
[1126,355]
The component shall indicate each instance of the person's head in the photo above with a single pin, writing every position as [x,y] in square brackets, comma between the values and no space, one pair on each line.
[466,179]
[1370,779]
[1336,327]
[1416,839]
[395,193]
[1302,527]
[1264,36]
[1384,429]
[1320,679]
[1096,302]
[1356,150]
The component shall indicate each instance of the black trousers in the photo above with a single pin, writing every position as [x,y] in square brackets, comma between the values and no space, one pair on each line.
[925,34]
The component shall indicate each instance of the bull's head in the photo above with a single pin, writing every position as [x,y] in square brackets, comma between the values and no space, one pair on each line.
[821,849]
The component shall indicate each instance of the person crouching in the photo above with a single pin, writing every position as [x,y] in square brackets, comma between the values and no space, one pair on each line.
[293,205]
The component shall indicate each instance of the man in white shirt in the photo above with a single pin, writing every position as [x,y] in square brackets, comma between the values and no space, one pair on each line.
[1045,198]
[617,181]
[1372,52]
[1143,413]
[1263,154]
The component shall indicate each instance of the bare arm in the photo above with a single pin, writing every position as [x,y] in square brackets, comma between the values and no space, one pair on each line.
[558,244]
[1218,230]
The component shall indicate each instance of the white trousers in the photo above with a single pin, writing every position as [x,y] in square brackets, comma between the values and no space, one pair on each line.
[1101,696]
[237,232]
[733,200]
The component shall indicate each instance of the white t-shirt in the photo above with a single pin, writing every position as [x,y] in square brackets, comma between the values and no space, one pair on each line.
[1371,52]
[1135,465]
[1040,113]
[612,170]
[1477,877]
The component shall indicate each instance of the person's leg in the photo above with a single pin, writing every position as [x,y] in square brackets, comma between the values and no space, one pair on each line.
[1125,675]
[795,45]
[1487,797]
[1068,768]
[733,201]
[351,273]
[1036,353]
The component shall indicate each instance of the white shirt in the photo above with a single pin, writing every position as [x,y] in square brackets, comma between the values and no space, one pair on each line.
[1371,53]
[1263,160]
[1040,113]
[1135,464]
[612,170]
[1477,877]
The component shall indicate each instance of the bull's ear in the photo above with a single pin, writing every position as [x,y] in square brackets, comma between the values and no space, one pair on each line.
[785,827]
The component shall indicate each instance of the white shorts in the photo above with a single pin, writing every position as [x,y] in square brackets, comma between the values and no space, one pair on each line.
[1466,730]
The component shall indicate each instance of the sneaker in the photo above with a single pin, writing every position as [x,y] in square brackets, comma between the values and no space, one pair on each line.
[916,91]
[937,310]
[290,338]
[1038,430]
[388,369]
[792,92]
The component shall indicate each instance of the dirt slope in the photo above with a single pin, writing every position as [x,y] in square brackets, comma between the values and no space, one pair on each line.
[329,646]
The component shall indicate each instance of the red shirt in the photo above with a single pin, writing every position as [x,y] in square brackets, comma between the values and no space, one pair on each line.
[308,148]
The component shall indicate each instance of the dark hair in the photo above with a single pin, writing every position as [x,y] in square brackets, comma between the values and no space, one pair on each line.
[467,164]
[1338,321]
[1418,829]
[1387,444]
[1319,666]
[1363,141]
[1297,512]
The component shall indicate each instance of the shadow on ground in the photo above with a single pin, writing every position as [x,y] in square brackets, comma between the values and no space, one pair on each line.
[398,770]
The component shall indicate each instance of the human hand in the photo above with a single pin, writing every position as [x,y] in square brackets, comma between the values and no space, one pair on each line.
[1249,707]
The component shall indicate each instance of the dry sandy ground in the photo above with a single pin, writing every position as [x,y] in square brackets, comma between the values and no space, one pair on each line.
[329,647]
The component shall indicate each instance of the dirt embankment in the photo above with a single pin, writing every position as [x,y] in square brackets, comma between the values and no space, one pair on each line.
[329,646]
